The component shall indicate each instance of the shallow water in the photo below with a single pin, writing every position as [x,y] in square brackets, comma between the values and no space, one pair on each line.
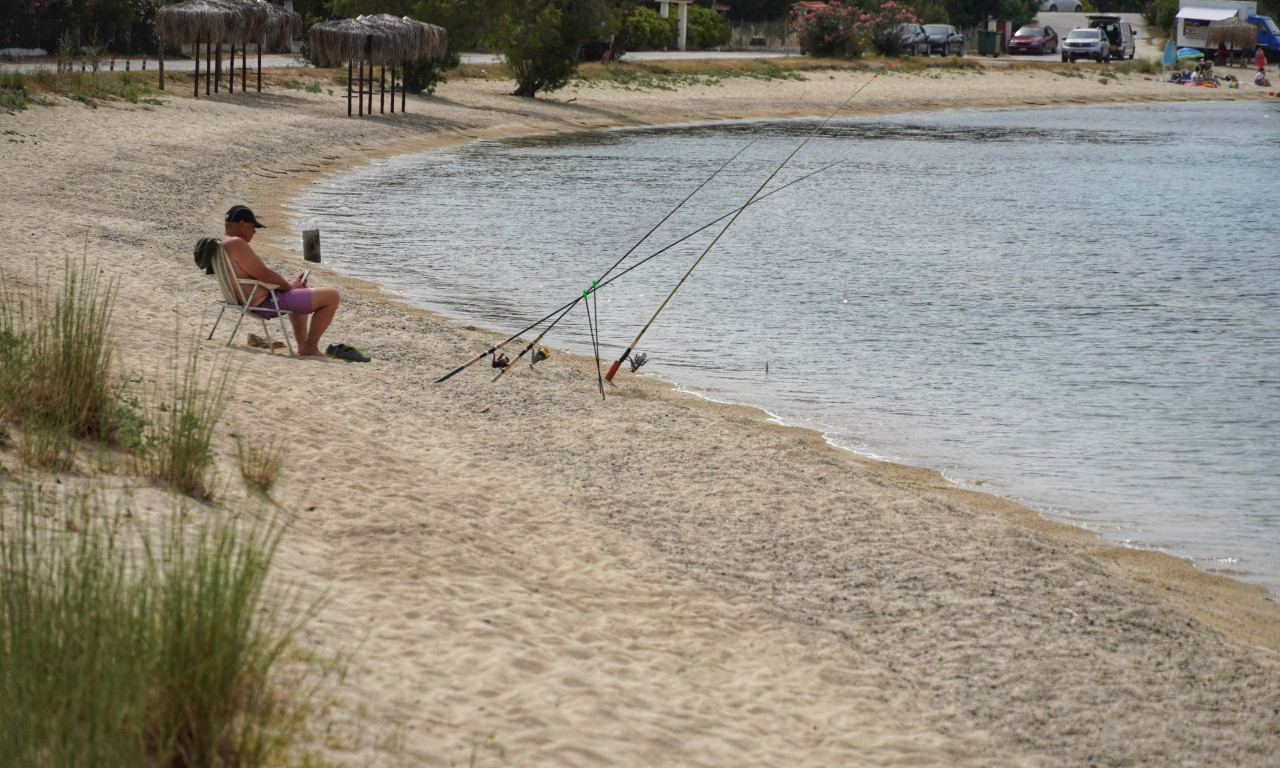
[1070,307]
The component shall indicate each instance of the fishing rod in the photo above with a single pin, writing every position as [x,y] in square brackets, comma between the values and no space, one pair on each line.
[602,284]
[564,309]
[614,266]
[613,369]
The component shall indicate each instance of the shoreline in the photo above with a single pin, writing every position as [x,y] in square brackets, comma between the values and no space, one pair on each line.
[660,578]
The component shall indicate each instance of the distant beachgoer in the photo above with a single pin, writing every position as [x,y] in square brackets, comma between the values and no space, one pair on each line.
[1260,59]
[1261,79]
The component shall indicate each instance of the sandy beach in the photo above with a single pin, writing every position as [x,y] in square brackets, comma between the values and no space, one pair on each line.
[521,574]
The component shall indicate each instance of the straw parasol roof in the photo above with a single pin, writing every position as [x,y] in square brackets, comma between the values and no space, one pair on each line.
[282,25]
[381,39]
[1233,32]
[194,21]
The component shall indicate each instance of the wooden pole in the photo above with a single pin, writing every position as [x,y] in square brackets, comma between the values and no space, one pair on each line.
[402,89]
[144,63]
[360,90]
[208,63]
[196,78]
[382,90]
[244,67]
[231,70]
[349,65]
[259,67]
[393,89]
[217,71]
[311,245]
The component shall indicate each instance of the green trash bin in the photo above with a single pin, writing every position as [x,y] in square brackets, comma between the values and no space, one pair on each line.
[988,42]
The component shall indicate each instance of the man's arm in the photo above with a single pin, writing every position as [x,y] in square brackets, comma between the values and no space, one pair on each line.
[249,265]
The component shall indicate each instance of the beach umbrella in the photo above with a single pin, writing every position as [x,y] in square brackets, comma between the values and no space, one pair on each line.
[211,22]
[379,40]
[1233,32]
[1168,58]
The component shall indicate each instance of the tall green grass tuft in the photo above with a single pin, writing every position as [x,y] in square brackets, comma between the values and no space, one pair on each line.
[120,648]
[55,364]
[180,448]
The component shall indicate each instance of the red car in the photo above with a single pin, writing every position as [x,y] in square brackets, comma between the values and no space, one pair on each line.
[1033,39]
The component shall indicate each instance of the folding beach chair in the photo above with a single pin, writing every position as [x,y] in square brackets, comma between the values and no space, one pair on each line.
[226,275]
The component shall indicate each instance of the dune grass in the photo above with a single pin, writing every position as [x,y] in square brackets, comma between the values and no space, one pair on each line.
[260,464]
[121,648]
[55,365]
[178,448]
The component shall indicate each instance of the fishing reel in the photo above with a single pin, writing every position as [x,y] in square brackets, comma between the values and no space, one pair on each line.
[538,355]
[637,360]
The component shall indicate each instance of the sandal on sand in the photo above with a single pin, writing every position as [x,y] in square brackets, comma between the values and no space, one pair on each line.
[347,352]
[257,341]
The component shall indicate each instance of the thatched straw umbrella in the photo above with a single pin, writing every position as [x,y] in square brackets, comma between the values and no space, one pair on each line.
[1234,32]
[214,22]
[279,26]
[378,40]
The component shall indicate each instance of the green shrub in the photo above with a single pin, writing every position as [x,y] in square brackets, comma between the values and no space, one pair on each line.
[705,28]
[643,30]
[422,74]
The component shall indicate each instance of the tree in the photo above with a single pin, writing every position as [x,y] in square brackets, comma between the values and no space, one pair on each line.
[541,39]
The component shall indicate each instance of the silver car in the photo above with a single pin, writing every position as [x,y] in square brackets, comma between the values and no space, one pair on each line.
[1054,6]
[1086,44]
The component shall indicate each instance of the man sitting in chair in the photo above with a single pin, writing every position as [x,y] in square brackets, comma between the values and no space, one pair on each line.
[292,295]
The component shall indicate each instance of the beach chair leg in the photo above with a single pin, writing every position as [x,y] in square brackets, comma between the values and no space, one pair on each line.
[239,320]
[215,322]
[284,333]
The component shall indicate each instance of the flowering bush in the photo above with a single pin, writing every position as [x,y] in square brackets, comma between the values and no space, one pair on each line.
[884,28]
[835,30]
[845,31]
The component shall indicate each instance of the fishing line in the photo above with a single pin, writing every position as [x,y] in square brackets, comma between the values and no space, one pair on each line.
[564,308]
[613,369]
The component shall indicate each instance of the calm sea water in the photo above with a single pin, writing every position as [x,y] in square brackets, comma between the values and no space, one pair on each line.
[1076,308]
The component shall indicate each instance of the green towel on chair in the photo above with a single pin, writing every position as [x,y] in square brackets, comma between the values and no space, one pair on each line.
[205,251]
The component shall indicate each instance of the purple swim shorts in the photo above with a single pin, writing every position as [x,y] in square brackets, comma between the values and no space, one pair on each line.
[297,301]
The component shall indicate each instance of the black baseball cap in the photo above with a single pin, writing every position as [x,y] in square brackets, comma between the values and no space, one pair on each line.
[242,213]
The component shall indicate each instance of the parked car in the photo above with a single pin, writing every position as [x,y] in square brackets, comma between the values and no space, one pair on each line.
[915,41]
[1031,39]
[944,40]
[1119,34]
[1082,43]
[1053,6]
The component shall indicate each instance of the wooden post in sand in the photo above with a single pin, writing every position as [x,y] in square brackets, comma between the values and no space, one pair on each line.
[311,245]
